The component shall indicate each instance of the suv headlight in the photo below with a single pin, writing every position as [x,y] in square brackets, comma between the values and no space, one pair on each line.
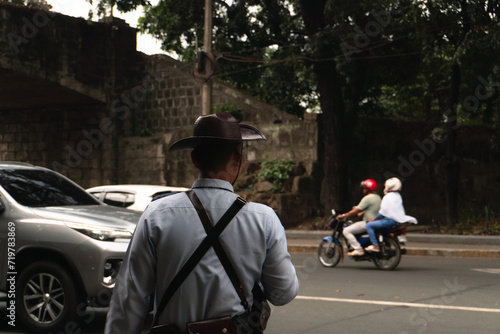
[100,232]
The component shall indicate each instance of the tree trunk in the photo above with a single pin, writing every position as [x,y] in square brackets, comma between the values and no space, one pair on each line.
[452,163]
[334,190]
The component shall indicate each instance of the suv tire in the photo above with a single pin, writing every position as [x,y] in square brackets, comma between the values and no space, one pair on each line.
[46,298]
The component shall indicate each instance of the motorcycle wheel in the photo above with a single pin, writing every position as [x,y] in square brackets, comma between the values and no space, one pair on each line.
[329,253]
[389,256]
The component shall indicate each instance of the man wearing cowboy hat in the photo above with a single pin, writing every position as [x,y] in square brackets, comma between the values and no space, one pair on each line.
[170,231]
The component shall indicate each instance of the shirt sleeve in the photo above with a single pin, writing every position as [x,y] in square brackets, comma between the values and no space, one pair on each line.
[135,285]
[279,277]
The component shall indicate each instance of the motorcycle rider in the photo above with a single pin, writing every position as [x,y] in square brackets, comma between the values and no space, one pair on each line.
[368,207]
[391,212]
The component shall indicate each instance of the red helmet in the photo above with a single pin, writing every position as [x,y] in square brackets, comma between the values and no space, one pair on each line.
[369,184]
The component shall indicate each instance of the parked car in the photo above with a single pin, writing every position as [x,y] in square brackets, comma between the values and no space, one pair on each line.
[131,196]
[60,248]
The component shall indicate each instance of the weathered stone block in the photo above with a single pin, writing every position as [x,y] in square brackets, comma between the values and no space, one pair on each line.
[264,186]
[302,185]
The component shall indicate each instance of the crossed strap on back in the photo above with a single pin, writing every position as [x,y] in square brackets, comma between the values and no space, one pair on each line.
[212,239]
[219,250]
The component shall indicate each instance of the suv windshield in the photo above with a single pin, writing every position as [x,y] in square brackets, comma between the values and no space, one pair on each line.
[38,188]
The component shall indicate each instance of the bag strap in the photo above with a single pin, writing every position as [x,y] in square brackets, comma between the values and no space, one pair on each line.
[226,263]
[219,250]
[198,254]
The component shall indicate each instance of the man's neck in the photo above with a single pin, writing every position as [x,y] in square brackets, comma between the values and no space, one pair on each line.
[218,175]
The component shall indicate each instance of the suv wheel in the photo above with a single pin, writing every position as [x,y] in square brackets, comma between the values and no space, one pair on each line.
[46,296]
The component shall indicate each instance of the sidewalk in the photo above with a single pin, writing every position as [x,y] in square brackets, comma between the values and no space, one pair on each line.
[417,244]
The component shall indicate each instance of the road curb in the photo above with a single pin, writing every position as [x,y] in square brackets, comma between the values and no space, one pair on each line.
[414,237]
[476,253]
[443,252]
[454,239]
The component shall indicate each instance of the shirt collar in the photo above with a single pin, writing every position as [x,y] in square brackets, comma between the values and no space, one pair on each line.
[213,183]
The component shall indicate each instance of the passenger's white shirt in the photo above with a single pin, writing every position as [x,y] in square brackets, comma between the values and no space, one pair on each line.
[168,233]
[392,207]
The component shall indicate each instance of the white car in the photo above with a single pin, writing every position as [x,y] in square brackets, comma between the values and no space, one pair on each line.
[131,196]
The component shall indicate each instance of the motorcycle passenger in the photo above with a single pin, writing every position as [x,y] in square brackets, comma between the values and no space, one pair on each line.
[391,212]
[368,207]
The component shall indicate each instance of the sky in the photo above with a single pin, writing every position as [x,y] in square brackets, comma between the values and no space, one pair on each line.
[80,8]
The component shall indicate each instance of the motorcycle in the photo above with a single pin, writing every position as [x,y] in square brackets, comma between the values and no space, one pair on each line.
[331,248]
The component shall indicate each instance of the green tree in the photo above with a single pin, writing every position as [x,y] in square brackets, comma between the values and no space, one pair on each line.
[289,52]
[39,4]
[360,46]
[459,41]
[404,58]
[258,46]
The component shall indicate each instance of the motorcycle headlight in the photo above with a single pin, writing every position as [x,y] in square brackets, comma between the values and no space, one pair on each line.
[101,233]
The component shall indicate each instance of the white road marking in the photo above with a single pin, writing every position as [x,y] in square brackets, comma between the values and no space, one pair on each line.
[386,303]
[488,270]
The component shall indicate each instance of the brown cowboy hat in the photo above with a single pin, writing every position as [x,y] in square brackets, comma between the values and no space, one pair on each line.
[217,129]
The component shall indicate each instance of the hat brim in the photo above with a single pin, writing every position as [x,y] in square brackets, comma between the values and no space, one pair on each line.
[248,133]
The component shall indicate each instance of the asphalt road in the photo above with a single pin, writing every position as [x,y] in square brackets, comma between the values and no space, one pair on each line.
[423,295]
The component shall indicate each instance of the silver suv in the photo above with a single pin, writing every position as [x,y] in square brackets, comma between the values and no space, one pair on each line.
[60,248]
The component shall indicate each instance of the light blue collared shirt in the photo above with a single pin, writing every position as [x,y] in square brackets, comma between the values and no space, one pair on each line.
[168,233]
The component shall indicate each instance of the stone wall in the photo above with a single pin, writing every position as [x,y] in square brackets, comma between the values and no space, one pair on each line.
[142,160]
[76,96]
[174,100]
[59,78]
[91,59]
[62,139]
[146,160]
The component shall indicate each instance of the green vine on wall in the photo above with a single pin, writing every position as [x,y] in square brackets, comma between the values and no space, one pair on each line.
[277,172]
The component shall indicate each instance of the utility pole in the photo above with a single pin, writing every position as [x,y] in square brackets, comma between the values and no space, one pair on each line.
[206,90]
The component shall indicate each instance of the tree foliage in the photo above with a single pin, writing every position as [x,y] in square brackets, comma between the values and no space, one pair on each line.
[38,4]
[448,32]
[258,45]
[105,6]
[392,57]
[412,59]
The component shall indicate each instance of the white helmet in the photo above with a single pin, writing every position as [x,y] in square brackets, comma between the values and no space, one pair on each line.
[392,184]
